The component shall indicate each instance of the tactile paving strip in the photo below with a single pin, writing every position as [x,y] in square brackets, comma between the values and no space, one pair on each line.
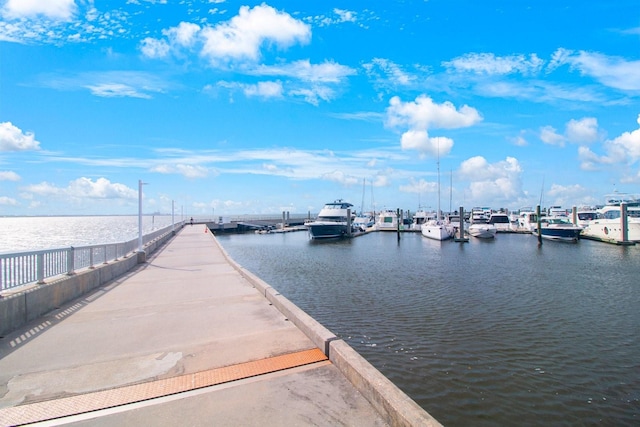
[63,407]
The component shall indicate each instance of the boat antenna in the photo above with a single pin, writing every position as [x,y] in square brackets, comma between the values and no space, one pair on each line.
[542,191]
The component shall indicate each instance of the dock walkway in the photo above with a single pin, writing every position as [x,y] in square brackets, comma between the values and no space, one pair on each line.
[187,338]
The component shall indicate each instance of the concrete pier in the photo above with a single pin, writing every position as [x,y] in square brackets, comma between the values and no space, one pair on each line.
[190,338]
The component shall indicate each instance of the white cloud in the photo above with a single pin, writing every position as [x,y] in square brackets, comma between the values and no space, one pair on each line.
[116,90]
[242,37]
[624,150]
[549,135]
[8,201]
[392,72]
[14,139]
[340,177]
[185,34]
[188,171]
[611,71]
[424,114]
[625,146]
[420,141]
[345,15]
[83,188]
[326,72]
[264,90]
[499,182]
[420,187]
[9,176]
[53,9]
[153,48]
[488,63]
[583,131]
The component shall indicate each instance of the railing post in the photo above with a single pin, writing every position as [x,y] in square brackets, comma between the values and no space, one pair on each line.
[71,259]
[91,257]
[105,254]
[40,268]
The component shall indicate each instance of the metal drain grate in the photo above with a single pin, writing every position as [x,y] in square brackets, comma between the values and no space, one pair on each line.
[63,407]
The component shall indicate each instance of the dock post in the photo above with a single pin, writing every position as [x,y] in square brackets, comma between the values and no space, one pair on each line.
[399,217]
[349,233]
[538,220]
[574,215]
[283,219]
[624,222]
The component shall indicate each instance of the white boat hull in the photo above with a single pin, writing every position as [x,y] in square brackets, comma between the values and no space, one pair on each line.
[611,230]
[482,231]
[437,231]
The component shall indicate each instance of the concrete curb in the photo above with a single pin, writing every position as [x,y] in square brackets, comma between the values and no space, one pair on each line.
[393,404]
[390,402]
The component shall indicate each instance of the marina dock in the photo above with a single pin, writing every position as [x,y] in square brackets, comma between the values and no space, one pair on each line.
[189,337]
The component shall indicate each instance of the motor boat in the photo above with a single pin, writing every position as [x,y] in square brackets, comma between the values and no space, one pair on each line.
[334,220]
[387,220]
[482,230]
[560,229]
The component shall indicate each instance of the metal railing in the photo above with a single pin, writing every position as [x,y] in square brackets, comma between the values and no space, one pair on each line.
[23,268]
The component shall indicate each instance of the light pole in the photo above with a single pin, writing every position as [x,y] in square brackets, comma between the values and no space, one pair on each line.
[140,184]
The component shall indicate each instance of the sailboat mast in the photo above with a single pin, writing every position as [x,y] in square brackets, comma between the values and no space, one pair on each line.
[438,163]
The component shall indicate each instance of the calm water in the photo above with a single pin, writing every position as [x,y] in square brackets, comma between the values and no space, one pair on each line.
[32,233]
[485,333]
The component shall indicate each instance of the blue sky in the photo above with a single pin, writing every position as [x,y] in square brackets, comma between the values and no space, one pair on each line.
[228,107]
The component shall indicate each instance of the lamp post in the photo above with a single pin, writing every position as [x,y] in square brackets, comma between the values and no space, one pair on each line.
[140,184]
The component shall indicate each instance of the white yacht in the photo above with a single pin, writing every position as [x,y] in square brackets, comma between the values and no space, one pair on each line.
[482,230]
[387,220]
[500,221]
[419,218]
[334,220]
[437,229]
[608,225]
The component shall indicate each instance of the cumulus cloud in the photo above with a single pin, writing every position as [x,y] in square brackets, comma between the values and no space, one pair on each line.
[583,131]
[549,135]
[9,176]
[623,150]
[500,181]
[424,114]
[239,39]
[52,9]
[13,138]
[84,188]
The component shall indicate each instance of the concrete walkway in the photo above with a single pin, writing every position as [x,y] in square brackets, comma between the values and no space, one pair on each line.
[187,338]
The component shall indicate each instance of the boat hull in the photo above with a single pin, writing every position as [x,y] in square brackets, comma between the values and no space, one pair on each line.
[482,231]
[611,230]
[437,231]
[560,234]
[325,230]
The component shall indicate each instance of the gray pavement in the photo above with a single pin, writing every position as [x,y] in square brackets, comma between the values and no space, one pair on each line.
[185,313]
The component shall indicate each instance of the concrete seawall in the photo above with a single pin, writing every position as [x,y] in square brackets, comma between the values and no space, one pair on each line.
[23,306]
[390,402]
